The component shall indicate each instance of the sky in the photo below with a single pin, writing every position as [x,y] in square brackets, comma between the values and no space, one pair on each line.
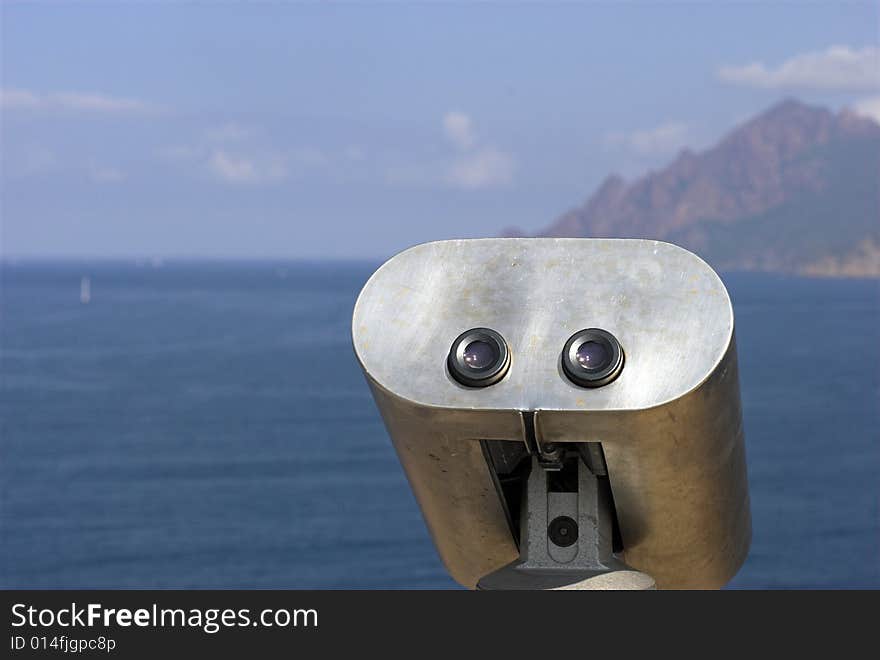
[287,130]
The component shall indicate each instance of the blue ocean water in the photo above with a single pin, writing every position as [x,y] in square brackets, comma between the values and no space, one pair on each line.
[206,425]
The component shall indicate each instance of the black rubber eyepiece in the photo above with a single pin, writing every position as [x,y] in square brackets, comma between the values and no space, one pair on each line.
[478,358]
[592,358]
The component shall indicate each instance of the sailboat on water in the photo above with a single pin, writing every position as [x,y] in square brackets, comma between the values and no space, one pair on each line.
[85,290]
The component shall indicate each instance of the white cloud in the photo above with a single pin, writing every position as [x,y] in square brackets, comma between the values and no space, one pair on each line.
[86,102]
[233,168]
[837,68]
[228,153]
[869,107]
[661,140]
[178,152]
[104,174]
[16,99]
[484,168]
[459,129]
[309,157]
[355,153]
[35,160]
[96,103]
[480,165]
[229,132]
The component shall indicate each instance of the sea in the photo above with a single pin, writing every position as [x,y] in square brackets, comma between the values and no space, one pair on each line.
[206,425]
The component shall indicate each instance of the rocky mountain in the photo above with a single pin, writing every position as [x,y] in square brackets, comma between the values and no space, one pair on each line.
[796,189]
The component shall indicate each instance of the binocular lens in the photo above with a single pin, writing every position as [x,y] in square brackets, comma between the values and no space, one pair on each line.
[592,355]
[478,358]
[592,358]
[479,354]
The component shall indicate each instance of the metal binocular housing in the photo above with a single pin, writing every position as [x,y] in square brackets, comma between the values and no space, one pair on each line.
[567,411]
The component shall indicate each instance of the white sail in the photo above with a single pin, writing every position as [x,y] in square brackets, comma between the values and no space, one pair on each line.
[85,290]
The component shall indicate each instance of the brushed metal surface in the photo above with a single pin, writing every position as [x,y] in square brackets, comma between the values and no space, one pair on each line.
[668,309]
[670,424]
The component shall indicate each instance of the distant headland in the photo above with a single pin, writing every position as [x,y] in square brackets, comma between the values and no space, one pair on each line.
[794,190]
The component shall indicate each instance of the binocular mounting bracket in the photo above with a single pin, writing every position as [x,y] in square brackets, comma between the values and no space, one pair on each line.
[566,522]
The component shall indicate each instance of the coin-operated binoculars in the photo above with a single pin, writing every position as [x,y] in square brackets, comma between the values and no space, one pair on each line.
[567,411]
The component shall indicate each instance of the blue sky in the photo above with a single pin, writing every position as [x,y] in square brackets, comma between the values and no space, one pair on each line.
[287,130]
